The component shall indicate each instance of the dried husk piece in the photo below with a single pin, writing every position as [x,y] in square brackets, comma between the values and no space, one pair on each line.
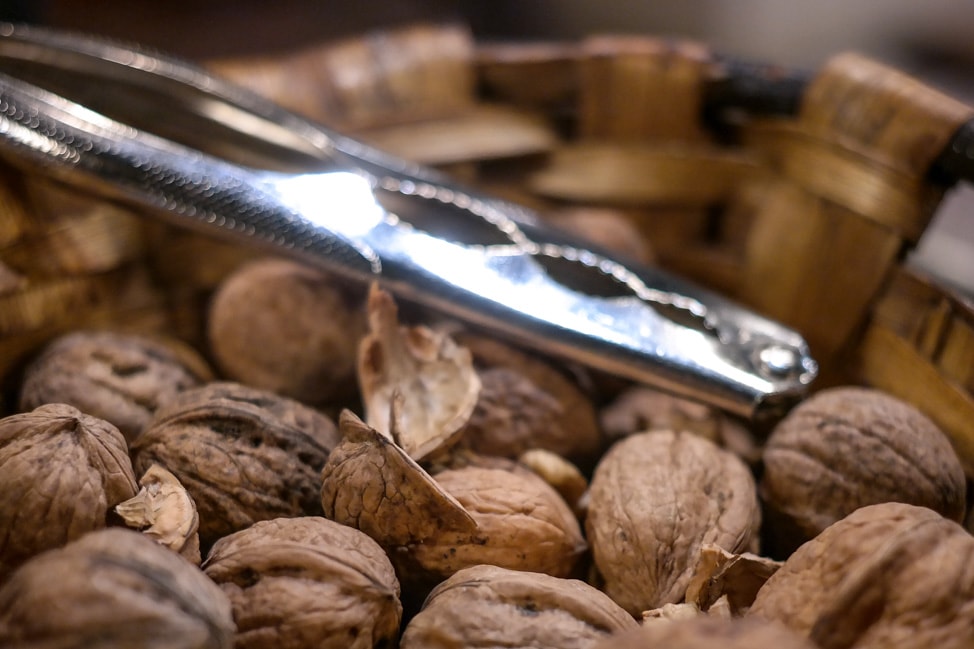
[432,373]
[61,472]
[371,484]
[655,499]
[487,606]
[164,511]
[307,582]
[242,453]
[890,575]
[522,524]
[113,588]
[121,378]
[708,632]
[286,327]
[847,447]
[736,578]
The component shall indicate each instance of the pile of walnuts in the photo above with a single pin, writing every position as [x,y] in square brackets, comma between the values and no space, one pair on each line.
[326,475]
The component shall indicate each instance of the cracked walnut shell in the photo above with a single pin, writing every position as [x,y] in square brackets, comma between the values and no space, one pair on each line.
[113,588]
[61,472]
[847,447]
[655,499]
[890,576]
[487,606]
[307,582]
[242,453]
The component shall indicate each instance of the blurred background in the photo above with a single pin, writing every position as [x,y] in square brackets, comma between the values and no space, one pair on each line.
[931,40]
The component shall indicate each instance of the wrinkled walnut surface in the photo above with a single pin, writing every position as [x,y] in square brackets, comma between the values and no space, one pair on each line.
[307,582]
[655,499]
[371,484]
[703,632]
[121,378]
[522,524]
[61,471]
[113,588]
[848,447]
[890,575]
[488,606]
[242,453]
[288,328]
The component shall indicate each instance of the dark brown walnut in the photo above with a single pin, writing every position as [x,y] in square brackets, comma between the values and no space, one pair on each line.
[527,403]
[848,447]
[487,606]
[371,484]
[655,499]
[113,588]
[428,376]
[288,328]
[707,632]
[61,472]
[121,378]
[307,582]
[242,453]
[890,575]
[164,511]
[522,524]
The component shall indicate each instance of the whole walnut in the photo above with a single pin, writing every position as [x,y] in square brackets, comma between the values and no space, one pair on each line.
[121,378]
[487,606]
[113,588]
[704,632]
[61,472]
[243,454]
[307,582]
[521,523]
[847,447]
[655,499]
[525,403]
[890,575]
[286,327]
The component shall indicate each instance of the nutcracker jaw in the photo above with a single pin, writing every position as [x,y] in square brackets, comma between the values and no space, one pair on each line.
[202,153]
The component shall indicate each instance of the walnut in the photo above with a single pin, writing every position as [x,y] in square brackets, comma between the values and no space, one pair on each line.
[113,588]
[61,471]
[655,499]
[487,606]
[307,582]
[522,524]
[561,474]
[371,484]
[847,447]
[288,328]
[243,454]
[164,511]
[889,575]
[527,403]
[707,632]
[121,378]
[433,375]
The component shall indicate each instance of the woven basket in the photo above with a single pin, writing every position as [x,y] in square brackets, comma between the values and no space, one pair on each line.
[803,209]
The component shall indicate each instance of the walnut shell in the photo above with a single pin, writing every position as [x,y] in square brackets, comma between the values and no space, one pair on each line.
[121,378]
[61,472]
[164,511]
[703,632]
[243,454]
[890,575]
[522,524]
[113,588]
[307,582]
[285,327]
[530,404]
[847,447]
[655,499]
[488,606]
